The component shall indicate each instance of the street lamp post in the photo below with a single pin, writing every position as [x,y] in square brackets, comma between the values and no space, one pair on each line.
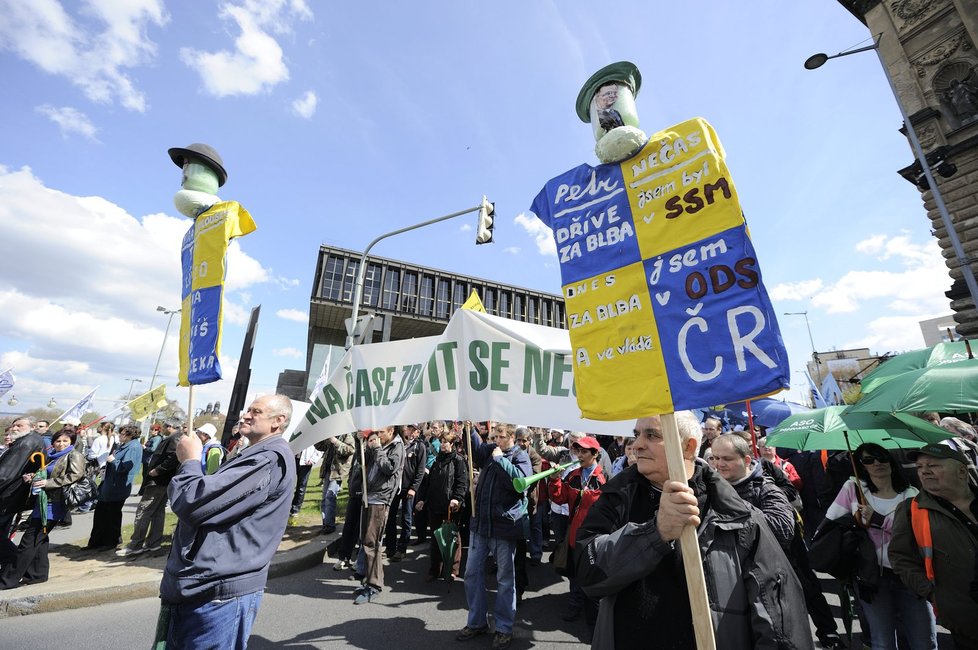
[170,313]
[816,61]
[811,339]
[132,382]
[362,271]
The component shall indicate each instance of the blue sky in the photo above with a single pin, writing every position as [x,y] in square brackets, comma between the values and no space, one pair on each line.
[340,121]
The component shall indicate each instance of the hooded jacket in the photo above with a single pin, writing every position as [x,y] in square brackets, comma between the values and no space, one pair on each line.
[755,598]
[760,491]
[499,508]
[447,479]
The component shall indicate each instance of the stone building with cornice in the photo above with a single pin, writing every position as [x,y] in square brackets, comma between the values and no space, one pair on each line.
[928,46]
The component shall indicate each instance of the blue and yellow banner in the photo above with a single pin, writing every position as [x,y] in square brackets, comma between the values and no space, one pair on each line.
[665,304]
[204,258]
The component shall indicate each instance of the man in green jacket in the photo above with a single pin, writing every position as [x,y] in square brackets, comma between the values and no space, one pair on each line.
[948,505]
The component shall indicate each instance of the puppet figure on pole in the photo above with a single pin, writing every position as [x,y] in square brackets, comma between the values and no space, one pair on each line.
[204,262]
[664,300]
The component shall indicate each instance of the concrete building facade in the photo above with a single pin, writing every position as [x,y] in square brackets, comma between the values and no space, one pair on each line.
[928,46]
[405,301]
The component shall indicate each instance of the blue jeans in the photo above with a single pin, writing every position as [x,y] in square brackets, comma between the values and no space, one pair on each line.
[504,551]
[893,599]
[217,625]
[328,508]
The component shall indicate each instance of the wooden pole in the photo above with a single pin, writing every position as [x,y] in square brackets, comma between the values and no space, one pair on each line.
[190,411]
[750,426]
[699,604]
[468,446]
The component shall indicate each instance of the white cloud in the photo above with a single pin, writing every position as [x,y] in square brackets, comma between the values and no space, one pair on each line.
[541,233]
[69,120]
[465,227]
[512,250]
[288,352]
[257,62]
[919,287]
[293,314]
[893,333]
[94,50]
[305,106]
[87,314]
[802,290]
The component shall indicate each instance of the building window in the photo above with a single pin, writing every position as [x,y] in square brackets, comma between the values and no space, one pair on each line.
[559,315]
[545,312]
[392,282]
[531,310]
[460,295]
[489,300]
[426,308]
[409,293]
[332,278]
[518,307]
[350,279]
[442,298]
[371,285]
[504,303]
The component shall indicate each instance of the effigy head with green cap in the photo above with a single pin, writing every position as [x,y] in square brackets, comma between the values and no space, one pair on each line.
[607,99]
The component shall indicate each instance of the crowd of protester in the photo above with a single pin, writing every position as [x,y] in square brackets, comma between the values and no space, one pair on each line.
[602,507]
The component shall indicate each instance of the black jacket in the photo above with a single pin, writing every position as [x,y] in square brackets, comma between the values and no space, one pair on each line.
[164,460]
[415,460]
[447,479]
[760,491]
[13,465]
[755,597]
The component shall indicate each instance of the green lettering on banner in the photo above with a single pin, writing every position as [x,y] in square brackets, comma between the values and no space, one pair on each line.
[362,397]
[334,401]
[409,377]
[316,412]
[349,390]
[479,376]
[561,368]
[536,370]
[498,363]
[448,353]
[382,384]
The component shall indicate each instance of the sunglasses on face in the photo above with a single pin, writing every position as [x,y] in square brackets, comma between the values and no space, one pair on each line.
[870,460]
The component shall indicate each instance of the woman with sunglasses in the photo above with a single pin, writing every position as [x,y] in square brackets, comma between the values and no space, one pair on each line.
[883,597]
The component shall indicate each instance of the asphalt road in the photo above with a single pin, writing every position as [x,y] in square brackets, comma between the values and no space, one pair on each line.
[314,609]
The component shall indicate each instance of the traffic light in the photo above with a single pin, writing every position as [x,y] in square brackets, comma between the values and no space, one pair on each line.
[487,214]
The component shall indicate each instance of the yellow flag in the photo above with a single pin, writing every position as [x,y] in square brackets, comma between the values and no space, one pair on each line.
[474,303]
[150,401]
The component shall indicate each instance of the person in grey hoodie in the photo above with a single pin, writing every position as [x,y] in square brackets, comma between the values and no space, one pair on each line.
[385,460]
[230,525]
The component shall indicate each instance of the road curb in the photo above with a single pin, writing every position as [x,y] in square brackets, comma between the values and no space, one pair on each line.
[284,563]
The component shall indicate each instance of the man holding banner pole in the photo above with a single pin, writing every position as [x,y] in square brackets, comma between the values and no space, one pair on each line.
[628,549]
[496,526]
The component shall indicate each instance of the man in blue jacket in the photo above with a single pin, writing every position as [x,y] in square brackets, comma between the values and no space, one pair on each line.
[210,594]
[497,524]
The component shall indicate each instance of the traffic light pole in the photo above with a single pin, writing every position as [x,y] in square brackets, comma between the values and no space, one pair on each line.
[362,271]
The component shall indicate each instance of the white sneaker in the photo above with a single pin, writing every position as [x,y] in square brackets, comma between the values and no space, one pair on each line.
[125,551]
[341,565]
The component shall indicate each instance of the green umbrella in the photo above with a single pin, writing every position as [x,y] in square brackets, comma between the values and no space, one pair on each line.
[940,354]
[446,536]
[834,427]
[950,388]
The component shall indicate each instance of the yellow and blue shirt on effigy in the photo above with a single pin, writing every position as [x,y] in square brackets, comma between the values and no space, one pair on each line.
[665,304]
[204,258]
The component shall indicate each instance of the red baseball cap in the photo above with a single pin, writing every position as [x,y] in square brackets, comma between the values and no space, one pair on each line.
[588,442]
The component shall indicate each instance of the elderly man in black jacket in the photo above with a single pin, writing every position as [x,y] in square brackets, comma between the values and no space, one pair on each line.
[628,558]
[734,462]
[14,464]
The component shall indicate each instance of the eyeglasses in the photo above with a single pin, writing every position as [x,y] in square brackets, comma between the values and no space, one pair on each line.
[870,460]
